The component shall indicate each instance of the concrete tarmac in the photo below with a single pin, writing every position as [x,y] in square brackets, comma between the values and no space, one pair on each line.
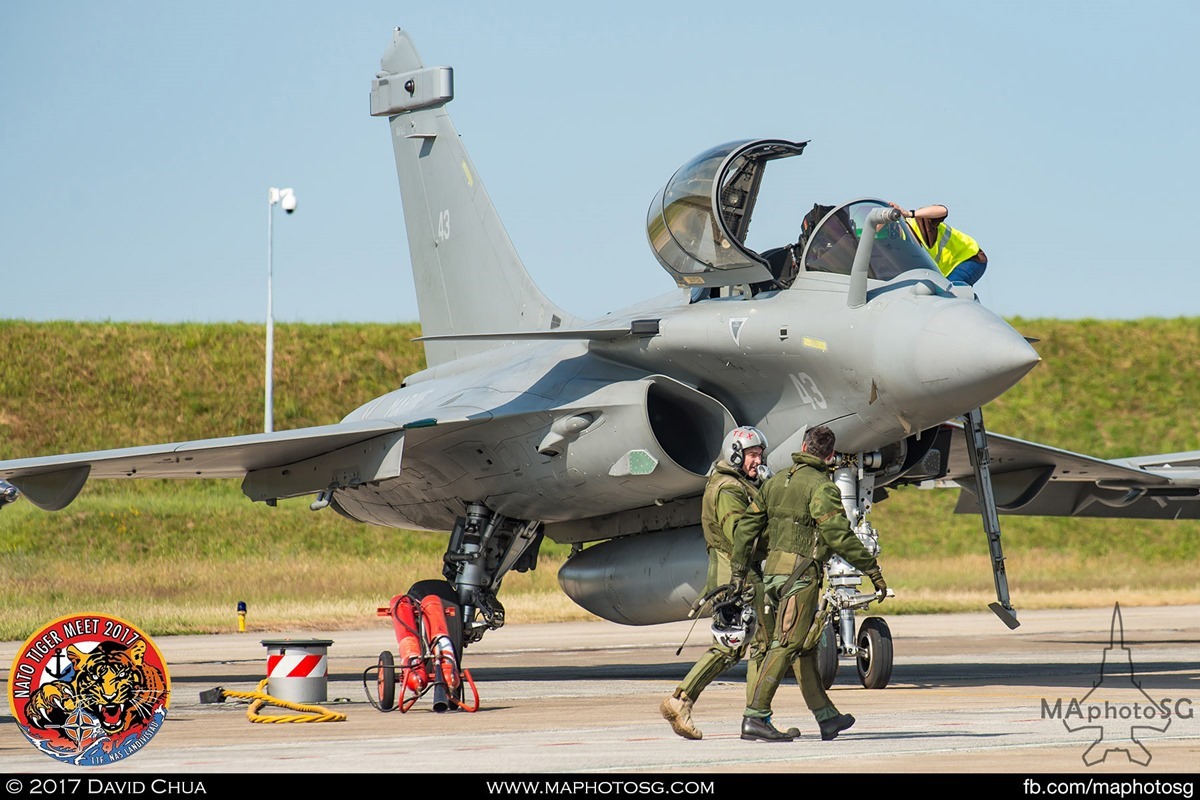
[967,695]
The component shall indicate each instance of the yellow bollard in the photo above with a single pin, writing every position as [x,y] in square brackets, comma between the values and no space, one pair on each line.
[241,608]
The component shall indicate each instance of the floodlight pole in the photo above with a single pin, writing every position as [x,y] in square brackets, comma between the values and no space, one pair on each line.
[287,198]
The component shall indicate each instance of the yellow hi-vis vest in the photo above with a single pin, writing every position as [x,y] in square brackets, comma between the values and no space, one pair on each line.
[952,247]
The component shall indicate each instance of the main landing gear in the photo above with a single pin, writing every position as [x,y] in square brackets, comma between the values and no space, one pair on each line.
[437,619]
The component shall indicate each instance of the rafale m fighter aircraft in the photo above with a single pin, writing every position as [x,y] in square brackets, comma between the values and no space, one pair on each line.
[530,422]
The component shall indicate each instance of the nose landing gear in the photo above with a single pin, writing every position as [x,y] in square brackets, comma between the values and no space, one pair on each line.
[871,644]
[871,648]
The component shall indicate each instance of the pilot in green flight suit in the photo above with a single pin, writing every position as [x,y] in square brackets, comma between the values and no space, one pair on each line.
[800,514]
[732,485]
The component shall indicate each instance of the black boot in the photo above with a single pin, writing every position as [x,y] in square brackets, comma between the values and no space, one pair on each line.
[758,729]
[830,728]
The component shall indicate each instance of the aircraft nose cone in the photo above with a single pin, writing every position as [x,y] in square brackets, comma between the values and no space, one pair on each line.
[966,356]
[959,357]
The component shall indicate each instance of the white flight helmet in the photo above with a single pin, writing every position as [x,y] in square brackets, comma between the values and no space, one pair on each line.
[738,440]
[733,623]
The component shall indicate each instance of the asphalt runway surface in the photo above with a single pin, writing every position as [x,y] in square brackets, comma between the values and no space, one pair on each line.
[967,695]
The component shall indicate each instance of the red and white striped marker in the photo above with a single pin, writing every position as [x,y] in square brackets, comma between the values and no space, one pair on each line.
[297,665]
[297,668]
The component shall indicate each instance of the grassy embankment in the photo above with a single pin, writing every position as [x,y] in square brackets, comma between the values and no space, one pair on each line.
[176,556]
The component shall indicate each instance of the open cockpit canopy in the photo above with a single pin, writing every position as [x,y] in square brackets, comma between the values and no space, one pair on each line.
[697,223]
[697,226]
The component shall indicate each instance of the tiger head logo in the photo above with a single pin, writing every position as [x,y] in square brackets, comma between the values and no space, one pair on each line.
[112,683]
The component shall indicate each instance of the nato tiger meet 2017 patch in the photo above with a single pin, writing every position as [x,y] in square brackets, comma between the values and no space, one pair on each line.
[89,689]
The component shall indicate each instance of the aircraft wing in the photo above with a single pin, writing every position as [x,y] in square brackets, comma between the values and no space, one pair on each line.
[1038,480]
[52,482]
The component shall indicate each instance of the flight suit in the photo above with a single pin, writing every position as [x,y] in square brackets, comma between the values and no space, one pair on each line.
[800,514]
[728,493]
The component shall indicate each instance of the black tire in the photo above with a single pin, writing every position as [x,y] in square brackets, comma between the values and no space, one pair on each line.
[874,653]
[454,626]
[827,654]
[449,595]
[443,589]
[385,681]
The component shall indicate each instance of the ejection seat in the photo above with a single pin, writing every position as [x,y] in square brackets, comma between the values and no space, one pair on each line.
[784,263]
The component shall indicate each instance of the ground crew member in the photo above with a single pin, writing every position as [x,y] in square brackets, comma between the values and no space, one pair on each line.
[800,514]
[732,484]
[957,255]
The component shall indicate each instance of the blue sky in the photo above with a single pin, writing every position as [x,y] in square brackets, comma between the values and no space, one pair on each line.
[139,141]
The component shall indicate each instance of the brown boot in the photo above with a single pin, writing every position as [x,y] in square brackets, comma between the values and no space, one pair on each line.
[677,710]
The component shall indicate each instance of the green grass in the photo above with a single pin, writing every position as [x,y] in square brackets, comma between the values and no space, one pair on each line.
[176,556]
[83,386]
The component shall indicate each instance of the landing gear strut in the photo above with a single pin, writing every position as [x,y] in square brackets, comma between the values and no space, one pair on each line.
[871,645]
[483,547]
[431,633]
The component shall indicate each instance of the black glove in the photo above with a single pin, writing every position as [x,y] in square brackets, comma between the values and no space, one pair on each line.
[747,593]
[876,576]
[741,587]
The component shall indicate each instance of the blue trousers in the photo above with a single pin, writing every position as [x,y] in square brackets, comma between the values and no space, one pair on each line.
[967,272]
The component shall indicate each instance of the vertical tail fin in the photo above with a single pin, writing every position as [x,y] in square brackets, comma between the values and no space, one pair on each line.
[468,276]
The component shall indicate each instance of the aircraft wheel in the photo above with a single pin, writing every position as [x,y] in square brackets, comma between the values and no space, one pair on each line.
[445,698]
[827,654]
[874,653]
[385,681]
[449,595]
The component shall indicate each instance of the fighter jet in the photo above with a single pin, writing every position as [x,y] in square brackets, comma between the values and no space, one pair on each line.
[530,422]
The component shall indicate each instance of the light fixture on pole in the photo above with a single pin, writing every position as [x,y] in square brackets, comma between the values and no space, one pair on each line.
[286,198]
